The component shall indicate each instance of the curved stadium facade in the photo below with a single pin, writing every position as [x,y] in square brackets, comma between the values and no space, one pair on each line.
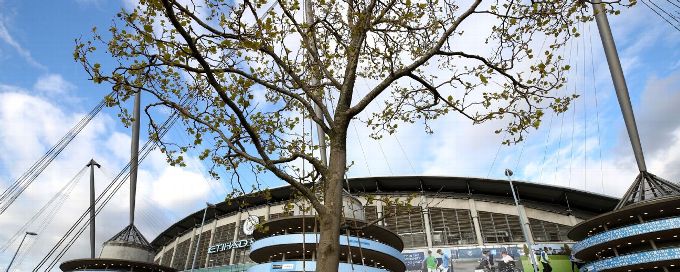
[459,215]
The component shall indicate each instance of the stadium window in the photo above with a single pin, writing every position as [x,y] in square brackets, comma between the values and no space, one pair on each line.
[280,215]
[202,248]
[242,256]
[451,227]
[181,255]
[500,228]
[167,257]
[370,213]
[544,231]
[223,234]
[408,223]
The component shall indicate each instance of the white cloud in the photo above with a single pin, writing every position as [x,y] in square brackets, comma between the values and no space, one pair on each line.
[175,188]
[23,52]
[53,84]
[29,125]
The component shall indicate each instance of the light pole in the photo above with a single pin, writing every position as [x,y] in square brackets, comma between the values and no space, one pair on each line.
[15,253]
[198,241]
[525,227]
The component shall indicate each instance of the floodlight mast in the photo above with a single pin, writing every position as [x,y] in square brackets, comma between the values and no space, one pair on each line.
[18,248]
[198,242]
[525,227]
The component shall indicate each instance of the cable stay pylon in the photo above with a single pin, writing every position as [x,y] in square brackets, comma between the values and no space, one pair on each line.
[60,248]
[12,192]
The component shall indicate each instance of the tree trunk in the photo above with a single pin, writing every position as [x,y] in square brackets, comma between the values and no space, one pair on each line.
[328,253]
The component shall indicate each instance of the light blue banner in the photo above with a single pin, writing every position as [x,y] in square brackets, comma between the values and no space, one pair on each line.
[630,231]
[309,266]
[633,259]
[311,238]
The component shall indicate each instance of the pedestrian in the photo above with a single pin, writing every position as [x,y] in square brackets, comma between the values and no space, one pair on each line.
[507,262]
[484,263]
[431,262]
[575,263]
[545,260]
[444,267]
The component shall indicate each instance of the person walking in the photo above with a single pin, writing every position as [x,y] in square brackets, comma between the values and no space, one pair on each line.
[545,260]
[431,262]
[575,263]
[444,267]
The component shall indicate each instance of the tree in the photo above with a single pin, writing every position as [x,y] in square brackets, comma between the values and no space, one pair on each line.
[527,251]
[247,76]
[567,250]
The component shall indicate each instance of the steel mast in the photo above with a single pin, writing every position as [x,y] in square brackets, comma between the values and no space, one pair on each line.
[92,164]
[646,186]
[619,82]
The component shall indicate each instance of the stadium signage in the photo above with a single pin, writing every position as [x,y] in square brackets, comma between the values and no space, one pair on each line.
[228,246]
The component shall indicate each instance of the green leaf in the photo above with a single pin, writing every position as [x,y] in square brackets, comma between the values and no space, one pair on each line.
[483,79]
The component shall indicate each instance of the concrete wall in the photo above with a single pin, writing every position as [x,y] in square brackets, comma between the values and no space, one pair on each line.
[123,252]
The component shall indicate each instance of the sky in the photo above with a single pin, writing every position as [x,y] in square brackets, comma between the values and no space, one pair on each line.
[43,92]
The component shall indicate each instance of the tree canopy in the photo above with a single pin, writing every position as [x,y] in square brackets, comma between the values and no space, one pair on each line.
[248,73]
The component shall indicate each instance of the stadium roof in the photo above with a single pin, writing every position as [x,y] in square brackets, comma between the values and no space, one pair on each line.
[577,201]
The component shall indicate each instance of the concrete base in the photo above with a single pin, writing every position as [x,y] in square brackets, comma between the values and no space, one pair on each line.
[130,252]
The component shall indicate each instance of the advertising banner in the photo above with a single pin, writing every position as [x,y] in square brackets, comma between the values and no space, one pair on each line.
[463,259]
[414,261]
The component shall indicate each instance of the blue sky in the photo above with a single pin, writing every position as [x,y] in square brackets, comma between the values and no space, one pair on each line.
[43,92]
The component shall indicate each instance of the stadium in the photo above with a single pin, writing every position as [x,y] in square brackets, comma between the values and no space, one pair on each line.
[460,215]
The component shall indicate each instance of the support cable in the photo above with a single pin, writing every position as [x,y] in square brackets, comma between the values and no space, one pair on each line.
[380,147]
[103,198]
[573,115]
[47,220]
[495,157]
[363,152]
[660,15]
[585,109]
[12,192]
[410,164]
[550,125]
[559,143]
[664,11]
[148,146]
[64,191]
[677,5]
[597,108]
